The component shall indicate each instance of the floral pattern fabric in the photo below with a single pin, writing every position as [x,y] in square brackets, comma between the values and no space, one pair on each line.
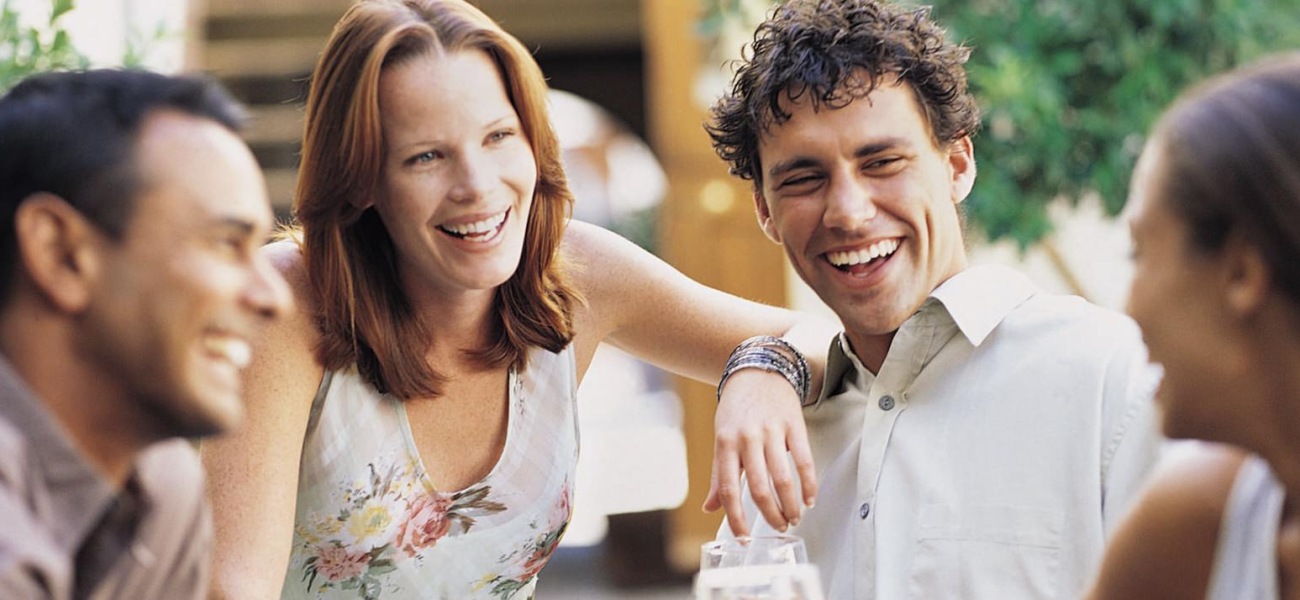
[371,525]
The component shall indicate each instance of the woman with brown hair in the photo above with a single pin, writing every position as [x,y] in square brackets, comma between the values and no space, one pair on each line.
[412,432]
[1216,291]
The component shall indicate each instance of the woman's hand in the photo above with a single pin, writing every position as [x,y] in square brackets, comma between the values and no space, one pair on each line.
[758,421]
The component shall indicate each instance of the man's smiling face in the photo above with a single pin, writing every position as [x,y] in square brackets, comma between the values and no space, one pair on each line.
[865,205]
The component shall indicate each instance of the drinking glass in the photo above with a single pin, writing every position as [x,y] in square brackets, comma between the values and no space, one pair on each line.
[771,567]
[777,549]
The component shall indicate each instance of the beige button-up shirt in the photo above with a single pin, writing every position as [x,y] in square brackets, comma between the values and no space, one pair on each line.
[1006,432]
[66,533]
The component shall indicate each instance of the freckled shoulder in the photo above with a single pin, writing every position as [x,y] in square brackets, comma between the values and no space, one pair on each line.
[579,250]
[580,256]
[287,259]
[601,263]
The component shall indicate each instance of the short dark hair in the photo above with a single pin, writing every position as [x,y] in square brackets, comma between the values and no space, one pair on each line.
[1230,164]
[818,48]
[73,134]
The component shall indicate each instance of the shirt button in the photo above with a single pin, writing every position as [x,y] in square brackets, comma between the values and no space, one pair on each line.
[886,402]
[864,510]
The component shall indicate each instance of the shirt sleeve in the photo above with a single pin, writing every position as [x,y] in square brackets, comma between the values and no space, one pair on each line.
[1132,439]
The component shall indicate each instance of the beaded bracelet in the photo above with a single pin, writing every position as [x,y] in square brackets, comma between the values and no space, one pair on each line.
[771,354]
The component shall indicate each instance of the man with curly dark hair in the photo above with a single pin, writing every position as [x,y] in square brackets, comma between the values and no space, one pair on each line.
[976,437]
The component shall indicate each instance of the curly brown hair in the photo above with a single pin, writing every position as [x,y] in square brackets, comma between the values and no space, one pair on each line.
[821,48]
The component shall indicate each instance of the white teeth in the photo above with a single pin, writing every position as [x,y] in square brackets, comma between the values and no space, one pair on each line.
[233,350]
[477,227]
[857,257]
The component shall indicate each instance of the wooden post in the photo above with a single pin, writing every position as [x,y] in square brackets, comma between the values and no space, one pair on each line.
[708,230]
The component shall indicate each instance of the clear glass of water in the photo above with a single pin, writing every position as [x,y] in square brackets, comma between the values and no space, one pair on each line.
[773,567]
[778,549]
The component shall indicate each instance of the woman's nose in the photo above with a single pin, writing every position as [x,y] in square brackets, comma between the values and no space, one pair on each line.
[473,177]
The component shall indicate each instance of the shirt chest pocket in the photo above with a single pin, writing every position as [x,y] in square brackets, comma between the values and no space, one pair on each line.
[977,552]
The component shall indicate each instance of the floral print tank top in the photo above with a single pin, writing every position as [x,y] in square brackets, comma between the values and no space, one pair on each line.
[371,525]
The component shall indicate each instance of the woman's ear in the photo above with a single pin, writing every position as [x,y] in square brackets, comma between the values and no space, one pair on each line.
[59,250]
[1247,280]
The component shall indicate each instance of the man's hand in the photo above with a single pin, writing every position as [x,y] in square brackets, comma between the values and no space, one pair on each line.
[758,420]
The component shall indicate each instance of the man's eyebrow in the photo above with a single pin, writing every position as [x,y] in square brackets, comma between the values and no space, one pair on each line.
[238,224]
[792,164]
[866,150]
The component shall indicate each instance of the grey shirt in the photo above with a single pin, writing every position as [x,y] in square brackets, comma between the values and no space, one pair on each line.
[66,533]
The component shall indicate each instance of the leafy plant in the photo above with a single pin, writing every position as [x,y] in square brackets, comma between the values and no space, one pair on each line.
[25,49]
[1069,89]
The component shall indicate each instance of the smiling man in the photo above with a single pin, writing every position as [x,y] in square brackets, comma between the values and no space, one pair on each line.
[976,437]
[129,288]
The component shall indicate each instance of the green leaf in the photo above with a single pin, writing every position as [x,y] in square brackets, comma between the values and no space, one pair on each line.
[27,50]
[61,7]
[370,588]
[1069,90]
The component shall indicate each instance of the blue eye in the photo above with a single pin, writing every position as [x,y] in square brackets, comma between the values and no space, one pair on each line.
[497,136]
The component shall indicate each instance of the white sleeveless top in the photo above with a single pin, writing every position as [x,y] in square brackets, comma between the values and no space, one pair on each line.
[1245,561]
[371,525]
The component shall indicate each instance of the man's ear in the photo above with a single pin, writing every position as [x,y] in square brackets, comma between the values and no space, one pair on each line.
[57,248]
[765,217]
[1247,281]
[961,162]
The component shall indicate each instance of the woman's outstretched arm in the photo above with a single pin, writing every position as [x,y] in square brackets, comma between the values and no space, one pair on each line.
[642,305]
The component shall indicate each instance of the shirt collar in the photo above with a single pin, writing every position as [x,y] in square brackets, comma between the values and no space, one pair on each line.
[976,299]
[76,495]
[979,298]
[840,362]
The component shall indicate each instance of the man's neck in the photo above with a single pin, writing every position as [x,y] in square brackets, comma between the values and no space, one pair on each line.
[100,419]
[871,350]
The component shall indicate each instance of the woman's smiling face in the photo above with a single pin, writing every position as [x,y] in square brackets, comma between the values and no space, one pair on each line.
[1177,299]
[458,174]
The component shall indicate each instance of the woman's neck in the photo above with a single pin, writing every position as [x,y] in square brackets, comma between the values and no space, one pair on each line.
[455,322]
[1280,438]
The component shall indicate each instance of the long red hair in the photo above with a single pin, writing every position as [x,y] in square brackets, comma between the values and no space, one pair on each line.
[363,314]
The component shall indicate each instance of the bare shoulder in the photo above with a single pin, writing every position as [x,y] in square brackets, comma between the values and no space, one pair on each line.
[1165,547]
[283,375]
[286,256]
[582,253]
[582,238]
[593,255]
[606,267]
[295,331]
